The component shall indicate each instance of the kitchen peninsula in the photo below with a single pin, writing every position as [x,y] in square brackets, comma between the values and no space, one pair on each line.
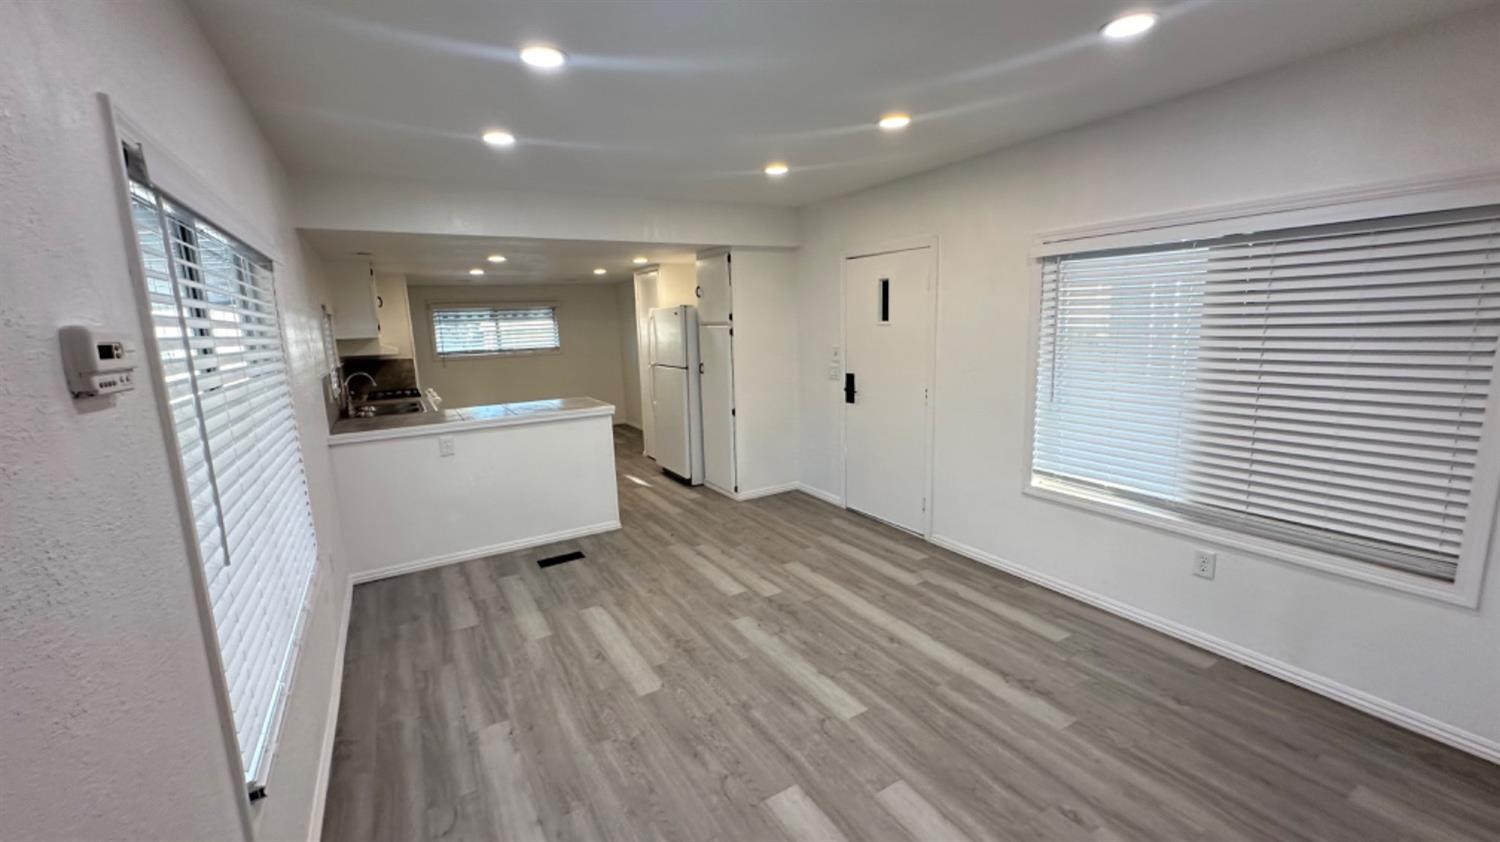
[437,487]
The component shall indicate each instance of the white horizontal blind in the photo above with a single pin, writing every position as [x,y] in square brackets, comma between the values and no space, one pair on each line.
[493,330]
[1325,386]
[226,379]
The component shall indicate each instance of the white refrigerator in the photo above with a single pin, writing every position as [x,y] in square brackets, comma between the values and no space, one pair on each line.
[676,407]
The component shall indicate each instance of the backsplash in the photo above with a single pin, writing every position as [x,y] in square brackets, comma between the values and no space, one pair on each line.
[390,373]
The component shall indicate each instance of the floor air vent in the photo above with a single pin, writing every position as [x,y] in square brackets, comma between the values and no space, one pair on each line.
[559,559]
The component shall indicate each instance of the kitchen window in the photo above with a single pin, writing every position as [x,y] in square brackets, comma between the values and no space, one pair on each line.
[1323,389]
[484,330]
[222,371]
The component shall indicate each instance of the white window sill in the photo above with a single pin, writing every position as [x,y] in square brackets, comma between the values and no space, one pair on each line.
[1464,593]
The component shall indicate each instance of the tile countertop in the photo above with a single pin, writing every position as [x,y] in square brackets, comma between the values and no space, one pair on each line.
[355,430]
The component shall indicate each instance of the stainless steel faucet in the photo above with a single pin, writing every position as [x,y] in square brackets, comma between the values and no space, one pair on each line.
[348,396]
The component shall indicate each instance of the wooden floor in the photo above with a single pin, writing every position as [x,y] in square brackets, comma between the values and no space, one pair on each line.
[782,669]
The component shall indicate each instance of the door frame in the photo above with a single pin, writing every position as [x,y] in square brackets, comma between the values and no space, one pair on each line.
[876,249]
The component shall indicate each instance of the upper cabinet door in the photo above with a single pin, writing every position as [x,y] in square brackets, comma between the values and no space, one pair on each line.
[715,303]
[356,313]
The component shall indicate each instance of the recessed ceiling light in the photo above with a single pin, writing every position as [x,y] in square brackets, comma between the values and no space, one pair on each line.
[496,258]
[543,56]
[599,271]
[1129,26]
[495,137]
[777,169]
[892,122]
[476,271]
[640,261]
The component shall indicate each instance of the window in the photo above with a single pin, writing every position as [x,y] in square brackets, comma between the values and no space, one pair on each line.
[1323,387]
[478,330]
[224,375]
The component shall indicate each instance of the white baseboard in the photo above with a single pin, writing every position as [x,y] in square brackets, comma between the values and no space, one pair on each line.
[825,496]
[767,491]
[1358,699]
[480,552]
[330,728]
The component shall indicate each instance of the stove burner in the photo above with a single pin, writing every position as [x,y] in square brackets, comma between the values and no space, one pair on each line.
[393,394]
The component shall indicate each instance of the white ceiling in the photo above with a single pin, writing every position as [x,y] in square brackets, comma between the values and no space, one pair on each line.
[428,259]
[690,98]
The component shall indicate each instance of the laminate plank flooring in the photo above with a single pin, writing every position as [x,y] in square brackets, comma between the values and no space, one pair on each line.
[783,670]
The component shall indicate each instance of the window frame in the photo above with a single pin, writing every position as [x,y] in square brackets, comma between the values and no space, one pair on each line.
[1392,199]
[172,177]
[433,307]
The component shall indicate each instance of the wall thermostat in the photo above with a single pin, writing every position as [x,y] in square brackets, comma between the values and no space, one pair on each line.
[95,365]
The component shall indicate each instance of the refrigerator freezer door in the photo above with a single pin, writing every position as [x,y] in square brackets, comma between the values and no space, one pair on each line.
[673,429]
[669,337]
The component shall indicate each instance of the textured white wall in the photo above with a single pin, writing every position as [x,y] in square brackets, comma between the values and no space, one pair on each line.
[589,365]
[1422,103]
[108,724]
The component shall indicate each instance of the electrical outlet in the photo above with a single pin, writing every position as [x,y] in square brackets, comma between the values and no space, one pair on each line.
[445,445]
[1204,563]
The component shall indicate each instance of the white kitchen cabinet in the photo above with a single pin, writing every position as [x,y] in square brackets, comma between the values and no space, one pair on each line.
[715,301]
[372,317]
[747,337]
[356,313]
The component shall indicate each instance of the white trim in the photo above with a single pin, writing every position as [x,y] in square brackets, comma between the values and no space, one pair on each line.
[1393,198]
[114,123]
[1361,700]
[820,494]
[480,552]
[331,719]
[766,492]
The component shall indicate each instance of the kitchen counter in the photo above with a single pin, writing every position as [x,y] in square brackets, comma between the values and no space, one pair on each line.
[442,422]
[433,488]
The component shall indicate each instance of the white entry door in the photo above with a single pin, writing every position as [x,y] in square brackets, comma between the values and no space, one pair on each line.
[888,349]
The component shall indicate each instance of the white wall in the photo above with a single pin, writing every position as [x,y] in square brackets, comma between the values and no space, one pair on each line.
[108,721]
[589,364]
[365,204]
[1423,103]
[629,411]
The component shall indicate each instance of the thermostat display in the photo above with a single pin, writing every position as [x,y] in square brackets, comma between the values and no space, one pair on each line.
[95,365]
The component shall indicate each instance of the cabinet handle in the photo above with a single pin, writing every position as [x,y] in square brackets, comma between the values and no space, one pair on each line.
[698,291]
[379,302]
